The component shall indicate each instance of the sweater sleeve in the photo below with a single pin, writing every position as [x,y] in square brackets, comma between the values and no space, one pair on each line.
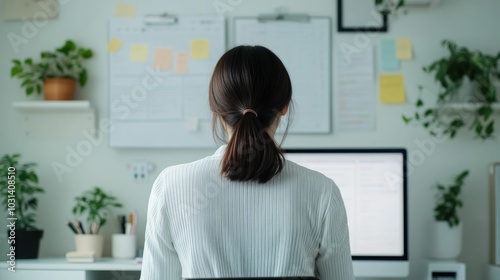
[334,258]
[160,260]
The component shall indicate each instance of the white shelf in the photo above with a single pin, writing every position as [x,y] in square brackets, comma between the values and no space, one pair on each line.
[101,264]
[63,120]
[465,108]
[53,105]
[494,272]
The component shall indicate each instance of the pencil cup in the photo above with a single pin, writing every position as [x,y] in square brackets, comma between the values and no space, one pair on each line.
[123,246]
[90,243]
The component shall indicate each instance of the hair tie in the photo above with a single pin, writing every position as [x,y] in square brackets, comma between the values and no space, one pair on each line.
[250,111]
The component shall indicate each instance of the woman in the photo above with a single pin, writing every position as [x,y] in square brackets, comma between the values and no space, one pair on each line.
[245,211]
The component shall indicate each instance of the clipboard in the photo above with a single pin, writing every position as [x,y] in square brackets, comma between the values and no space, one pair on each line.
[162,69]
[284,17]
[164,18]
[304,45]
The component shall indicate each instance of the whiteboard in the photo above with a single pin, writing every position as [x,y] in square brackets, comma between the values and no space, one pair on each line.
[305,49]
[158,81]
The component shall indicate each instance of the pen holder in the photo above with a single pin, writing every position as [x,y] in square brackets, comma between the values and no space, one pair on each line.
[123,246]
[90,243]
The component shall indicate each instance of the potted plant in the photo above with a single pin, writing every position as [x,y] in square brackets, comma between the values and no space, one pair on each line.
[95,204]
[387,7]
[19,188]
[452,72]
[57,72]
[447,227]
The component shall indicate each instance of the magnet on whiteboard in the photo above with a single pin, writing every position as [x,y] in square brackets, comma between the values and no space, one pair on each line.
[192,124]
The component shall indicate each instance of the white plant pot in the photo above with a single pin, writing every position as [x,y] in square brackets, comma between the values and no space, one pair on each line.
[445,242]
[90,243]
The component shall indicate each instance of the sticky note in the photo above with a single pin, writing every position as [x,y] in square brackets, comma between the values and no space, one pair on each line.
[192,124]
[182,63]
[200,49]
[404,49]
[125,10]
[138,52]
[114,45]
[388,59]
[392,89]
[163,59]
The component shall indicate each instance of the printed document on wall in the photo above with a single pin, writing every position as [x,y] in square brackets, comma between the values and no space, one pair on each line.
[158,81]
[355,99]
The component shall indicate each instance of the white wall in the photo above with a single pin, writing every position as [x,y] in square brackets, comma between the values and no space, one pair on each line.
[471,23]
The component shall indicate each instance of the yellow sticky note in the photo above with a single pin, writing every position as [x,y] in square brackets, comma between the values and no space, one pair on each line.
[200,49]
[125,10]
[138,52]
[182,63]
[404,49]
[392,89]
[163,59]
[114,45]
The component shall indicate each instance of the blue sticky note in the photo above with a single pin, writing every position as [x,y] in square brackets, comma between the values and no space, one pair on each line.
[388,58]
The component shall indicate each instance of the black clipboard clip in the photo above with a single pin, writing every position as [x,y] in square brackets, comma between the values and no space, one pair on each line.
[160,19]
[284,17]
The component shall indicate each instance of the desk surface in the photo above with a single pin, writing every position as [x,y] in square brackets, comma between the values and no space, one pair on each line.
[101,264]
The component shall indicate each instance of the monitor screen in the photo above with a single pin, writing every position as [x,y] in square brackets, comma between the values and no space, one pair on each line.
[373,187]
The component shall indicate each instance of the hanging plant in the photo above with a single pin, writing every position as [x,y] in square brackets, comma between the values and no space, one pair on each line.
[388,7]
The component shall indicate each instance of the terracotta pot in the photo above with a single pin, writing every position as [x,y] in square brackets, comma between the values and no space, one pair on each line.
[59,88]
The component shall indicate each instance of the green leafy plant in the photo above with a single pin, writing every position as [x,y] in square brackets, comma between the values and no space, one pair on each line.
[64,62]
[387,7]
[448,200]
[23,195]
[450,73]
[96,204]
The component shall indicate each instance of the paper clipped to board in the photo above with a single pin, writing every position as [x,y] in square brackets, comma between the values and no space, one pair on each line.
[388,58]
[392,89]
[404,49]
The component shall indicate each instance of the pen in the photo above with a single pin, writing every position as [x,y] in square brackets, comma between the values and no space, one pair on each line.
[122,223]
[76,226]
[80,226]
[128,228]
[72,227]
[134,224]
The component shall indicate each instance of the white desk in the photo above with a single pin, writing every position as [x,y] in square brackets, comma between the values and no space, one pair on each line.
[494,272]
[60,269]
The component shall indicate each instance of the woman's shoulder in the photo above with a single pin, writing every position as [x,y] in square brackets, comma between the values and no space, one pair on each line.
[194,167]
[305,175]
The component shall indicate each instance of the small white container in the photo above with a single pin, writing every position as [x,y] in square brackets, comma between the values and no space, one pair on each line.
[123,246]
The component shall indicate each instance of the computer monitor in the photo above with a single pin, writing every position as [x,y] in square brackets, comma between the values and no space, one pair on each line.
[374,189]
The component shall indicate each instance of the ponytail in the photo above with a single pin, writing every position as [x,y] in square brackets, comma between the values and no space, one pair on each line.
[251,154]
[249,90]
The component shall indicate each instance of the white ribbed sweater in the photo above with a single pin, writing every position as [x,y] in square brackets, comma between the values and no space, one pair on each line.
[201,225]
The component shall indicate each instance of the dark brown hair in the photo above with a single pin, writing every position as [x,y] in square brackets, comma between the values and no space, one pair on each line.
[249,77]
